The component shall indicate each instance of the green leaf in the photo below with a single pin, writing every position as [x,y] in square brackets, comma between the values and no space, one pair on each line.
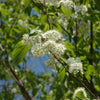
[80,95]
[62,74]
[70,48]
[65,11]
[90,70]
[43,19]
[19,53]
[70,24]
[34,30]
[26,2]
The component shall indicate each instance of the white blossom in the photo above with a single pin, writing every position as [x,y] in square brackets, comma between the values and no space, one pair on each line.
[22,23]
[38,50]
[42,1]
[14,90]
[25,39]
[75,65]
[56,48]
[74,16]
[80,89]
[52,35]
[47,43]
[52,3]
[52,62]
[83,9]
[69,4]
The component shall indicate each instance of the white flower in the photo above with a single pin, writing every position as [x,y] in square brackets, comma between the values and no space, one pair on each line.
[14,90]
[83,9]
[41,1]
[53,35]
[38,50]
[80,89]
[75,65]
[69,4]
[25,39]
[52,62]
[74,16]
[46,43]
[56,48]
[22,23]
[52,3]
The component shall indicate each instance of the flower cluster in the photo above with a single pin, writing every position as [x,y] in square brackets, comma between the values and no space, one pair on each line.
[45,43]
[82,9]
[80,89]
[69,4]
[75,65]
[49,2]
[52,35]
[25,39]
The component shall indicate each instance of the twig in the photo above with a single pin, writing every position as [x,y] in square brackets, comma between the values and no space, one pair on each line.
[91,42]
[76,37]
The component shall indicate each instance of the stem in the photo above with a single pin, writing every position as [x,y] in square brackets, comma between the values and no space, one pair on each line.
[91,42]
[66,32]
[74,76]
[76,37]
[38,6]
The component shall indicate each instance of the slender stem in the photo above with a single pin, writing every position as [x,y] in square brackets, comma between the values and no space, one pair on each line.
[38,6]
[91,42]
[76,37]
[74,76]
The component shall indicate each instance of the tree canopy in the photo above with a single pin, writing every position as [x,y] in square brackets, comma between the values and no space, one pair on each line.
[65,31]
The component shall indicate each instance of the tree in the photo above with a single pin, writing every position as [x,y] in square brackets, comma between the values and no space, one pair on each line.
[67,31]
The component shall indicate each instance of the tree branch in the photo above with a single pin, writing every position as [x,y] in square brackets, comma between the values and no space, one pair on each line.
[21,86]
[7,65]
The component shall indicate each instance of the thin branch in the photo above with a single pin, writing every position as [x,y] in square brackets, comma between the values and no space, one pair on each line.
[74,76]
[91,42]
[7,65]
[76,37]
[21,86]
[34,3]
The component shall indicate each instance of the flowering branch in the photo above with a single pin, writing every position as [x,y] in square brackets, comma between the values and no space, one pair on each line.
[74,76]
